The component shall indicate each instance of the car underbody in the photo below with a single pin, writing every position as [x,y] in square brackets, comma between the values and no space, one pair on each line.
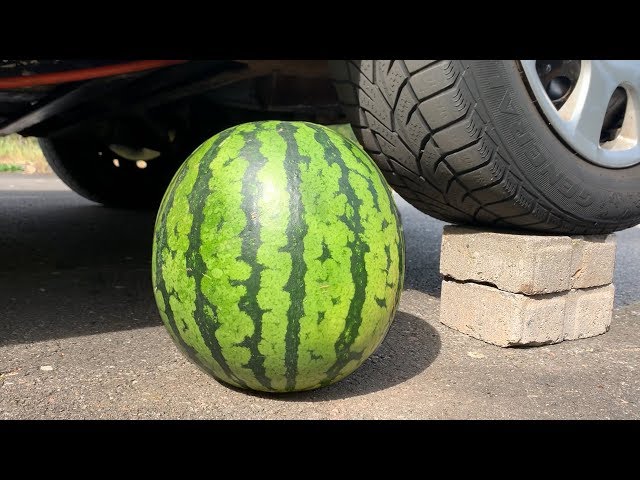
[137,104]
[542,145]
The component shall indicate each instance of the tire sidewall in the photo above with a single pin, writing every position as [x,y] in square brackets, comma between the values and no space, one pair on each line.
[583,190]
[76,162]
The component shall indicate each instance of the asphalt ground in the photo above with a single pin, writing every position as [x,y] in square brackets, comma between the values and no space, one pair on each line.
[80,336]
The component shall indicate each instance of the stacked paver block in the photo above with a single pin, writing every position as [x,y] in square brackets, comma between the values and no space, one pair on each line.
[516,288]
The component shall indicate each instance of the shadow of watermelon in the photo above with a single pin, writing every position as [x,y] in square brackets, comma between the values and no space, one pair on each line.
[409,348]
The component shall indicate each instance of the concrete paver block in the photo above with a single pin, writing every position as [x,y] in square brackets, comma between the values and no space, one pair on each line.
[525,262]
[593,260]
[512,319]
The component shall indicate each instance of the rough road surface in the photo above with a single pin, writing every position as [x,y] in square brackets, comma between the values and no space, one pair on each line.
[80,336]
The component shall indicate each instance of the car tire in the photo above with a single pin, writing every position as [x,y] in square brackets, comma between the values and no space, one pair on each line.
[463,141]
[91,170]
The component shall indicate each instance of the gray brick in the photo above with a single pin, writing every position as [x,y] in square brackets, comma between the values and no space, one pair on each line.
[593,260]
[524,262]
[512,319]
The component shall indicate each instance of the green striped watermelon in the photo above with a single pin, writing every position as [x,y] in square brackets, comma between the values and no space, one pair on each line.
[278,256]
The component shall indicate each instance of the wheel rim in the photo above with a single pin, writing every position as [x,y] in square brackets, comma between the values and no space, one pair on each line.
[593,105]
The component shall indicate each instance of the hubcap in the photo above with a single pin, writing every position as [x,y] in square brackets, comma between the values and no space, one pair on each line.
[593,105]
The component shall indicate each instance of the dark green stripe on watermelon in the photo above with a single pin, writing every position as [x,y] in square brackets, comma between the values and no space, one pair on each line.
[182,333]
[159,285]
[358,270]
[400,245]
[251,192]
[207,320]
[160,257]
[296,230]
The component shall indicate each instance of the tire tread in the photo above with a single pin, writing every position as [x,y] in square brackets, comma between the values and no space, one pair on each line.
[422,124]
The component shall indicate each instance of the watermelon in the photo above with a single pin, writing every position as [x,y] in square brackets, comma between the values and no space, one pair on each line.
[278,256]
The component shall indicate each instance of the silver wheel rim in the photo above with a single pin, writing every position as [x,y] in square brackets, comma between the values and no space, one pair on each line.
[579,120]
